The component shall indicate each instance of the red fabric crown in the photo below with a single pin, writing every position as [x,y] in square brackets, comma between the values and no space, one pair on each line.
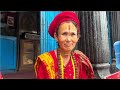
[63,16]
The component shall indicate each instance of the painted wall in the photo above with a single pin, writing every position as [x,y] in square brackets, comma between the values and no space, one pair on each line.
[7,53]
[47,43]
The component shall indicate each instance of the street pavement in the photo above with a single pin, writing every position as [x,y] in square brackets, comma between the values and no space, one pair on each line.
[20,75]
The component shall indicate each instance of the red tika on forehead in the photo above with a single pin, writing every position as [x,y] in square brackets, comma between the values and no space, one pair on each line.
[69,27]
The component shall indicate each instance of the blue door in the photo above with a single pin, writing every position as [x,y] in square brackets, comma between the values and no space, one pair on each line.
[7,53]
[47,43]
[109,37]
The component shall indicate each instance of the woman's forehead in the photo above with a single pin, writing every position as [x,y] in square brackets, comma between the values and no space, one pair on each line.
[68,22]
[67,25]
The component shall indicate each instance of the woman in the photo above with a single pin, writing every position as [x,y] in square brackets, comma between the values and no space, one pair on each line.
[64,62]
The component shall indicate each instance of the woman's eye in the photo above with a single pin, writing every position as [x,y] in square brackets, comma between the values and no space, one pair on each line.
[73,34]
[64,33]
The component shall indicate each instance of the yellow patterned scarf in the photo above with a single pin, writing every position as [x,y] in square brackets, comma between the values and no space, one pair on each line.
[47,59]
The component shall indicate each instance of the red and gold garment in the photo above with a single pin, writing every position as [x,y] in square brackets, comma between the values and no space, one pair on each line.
[46,67]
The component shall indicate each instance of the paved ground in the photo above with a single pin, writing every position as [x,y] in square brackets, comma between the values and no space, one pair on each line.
[20,75]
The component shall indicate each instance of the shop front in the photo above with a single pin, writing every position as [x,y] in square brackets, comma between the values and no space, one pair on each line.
[19,40]
[29,40]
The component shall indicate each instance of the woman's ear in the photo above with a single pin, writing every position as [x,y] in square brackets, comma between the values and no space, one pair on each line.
[78,36]
[55,36]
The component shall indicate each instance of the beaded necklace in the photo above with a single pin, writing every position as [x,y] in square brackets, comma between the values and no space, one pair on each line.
[60,65]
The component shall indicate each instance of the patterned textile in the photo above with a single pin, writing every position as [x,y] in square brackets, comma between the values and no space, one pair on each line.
[46,67]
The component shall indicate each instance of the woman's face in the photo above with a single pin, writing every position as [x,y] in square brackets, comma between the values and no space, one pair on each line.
[67,36]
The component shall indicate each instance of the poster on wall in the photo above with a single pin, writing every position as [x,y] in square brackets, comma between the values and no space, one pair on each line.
[10,21]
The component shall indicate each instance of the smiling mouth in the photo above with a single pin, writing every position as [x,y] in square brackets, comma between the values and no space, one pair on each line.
[67,45]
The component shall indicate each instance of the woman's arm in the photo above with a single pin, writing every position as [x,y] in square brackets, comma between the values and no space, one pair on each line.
[40,69]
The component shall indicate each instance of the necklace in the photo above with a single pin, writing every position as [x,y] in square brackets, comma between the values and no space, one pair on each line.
[61,66]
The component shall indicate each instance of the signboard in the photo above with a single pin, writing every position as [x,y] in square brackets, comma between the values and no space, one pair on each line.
[32,36]
[115,75]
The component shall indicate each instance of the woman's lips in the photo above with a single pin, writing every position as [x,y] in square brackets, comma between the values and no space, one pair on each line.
[68,45]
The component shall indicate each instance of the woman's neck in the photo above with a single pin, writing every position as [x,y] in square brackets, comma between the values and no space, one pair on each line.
[65,54]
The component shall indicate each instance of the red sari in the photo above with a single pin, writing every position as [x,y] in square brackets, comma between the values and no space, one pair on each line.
[46,71]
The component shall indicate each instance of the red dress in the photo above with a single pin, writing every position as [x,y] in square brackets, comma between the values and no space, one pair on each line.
[85,70]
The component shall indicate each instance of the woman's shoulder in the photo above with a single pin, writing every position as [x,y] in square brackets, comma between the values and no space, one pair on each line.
[45,55]
[84,59]
[42,54]
[80,53]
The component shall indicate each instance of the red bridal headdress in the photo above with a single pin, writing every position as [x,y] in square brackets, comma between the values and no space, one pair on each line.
[62,17]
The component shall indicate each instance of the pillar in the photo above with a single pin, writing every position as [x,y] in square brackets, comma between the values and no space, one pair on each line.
[94,41]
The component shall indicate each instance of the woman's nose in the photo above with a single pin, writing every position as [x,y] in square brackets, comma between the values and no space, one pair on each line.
[68,38]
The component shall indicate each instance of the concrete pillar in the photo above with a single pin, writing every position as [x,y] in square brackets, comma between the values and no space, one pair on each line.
[94,41]
[101,64]
[0,41]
